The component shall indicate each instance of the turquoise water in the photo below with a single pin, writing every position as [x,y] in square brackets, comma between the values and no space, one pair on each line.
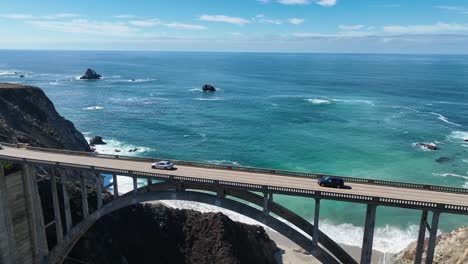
[356,115]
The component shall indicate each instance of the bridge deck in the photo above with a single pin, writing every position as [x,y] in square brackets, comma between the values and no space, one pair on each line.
[243,177]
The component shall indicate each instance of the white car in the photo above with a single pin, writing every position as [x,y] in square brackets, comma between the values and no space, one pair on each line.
[163,165]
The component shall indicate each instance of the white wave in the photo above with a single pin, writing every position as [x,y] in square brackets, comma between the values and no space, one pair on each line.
[354,101]
[458,135]
[387,239]
[464,145]
[133,100]
[9,72]
[209,99]
[444,119]
[450,175]
[142,80]
[124,148]
[53,83]
[318,101]
[465,160]
[224,162]
[195,90]
[465,185]
[90,108]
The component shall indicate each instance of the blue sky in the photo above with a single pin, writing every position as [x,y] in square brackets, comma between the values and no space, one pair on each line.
[363,26]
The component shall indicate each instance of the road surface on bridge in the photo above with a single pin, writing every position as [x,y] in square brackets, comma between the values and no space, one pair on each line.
[244,177]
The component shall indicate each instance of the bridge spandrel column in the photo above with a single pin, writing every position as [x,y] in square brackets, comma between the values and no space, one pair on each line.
[116,186]
[315,232]
[55,201]
[66,204]
[366,253]
[7,241]
[421,237]
[84,197]
[432,237]
[33,198]
[99,183]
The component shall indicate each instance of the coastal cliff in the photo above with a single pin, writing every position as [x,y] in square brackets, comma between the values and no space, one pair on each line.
[28,116]
[143,233]
[451,248]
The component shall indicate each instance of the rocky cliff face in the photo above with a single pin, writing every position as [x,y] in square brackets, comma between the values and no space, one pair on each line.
[28,116]
[451,248]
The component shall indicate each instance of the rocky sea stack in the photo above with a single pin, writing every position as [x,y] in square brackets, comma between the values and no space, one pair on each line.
[97,140]
[90,74]
[208,88]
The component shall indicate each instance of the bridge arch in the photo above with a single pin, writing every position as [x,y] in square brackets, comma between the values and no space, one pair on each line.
[166,191]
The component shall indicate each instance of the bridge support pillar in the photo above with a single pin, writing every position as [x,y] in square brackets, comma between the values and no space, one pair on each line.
[315,232]
[366,253]
[99,184]
[55,201]
[150,181]
[41,248]
[432,237]
[66,204]
[421,237]
[116,187]
[267,199]
[135,186]
[84,197]
[7,240]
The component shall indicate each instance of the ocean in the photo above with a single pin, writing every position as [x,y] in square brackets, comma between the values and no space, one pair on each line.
[355,115]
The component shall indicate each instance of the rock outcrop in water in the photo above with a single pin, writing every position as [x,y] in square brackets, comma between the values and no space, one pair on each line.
[28,116]
[450,248]
[428,146]
[137,234]
[97,140]
[90,74]
[208,88]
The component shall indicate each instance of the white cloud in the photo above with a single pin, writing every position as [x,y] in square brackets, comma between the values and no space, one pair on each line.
[144,23]
[456,8]
[85,26]
[426,29]
[350,27]
[124,16]
[16,16]
[296,21]
[294,2]
[225,19]
[264,1]
[60,16]
[326,2]
[184,26]
[342,34]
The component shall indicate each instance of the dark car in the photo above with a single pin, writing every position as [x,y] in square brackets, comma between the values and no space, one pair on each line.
[329,181]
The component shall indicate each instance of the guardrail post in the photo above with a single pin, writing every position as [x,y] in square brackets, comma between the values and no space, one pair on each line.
[66,204]
[99,184]
[55,201]
[421,237]
[84,197]
[116,186]
[315,231]
[366,253]
[432,237]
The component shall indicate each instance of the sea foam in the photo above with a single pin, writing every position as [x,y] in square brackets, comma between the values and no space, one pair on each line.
[91,108]
[318,101]
[444,119]
[113,145]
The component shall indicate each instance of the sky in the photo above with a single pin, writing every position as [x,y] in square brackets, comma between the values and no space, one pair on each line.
[336,26]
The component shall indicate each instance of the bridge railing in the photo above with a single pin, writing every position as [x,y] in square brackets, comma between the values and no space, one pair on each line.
[298,174]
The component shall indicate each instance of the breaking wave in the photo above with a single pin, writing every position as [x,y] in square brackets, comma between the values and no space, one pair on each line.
[444,119]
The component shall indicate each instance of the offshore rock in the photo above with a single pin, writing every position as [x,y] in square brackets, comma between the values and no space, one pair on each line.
[429,146]
[90,74]
[97,140]
[28,116]
[208,88]
[442,159]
